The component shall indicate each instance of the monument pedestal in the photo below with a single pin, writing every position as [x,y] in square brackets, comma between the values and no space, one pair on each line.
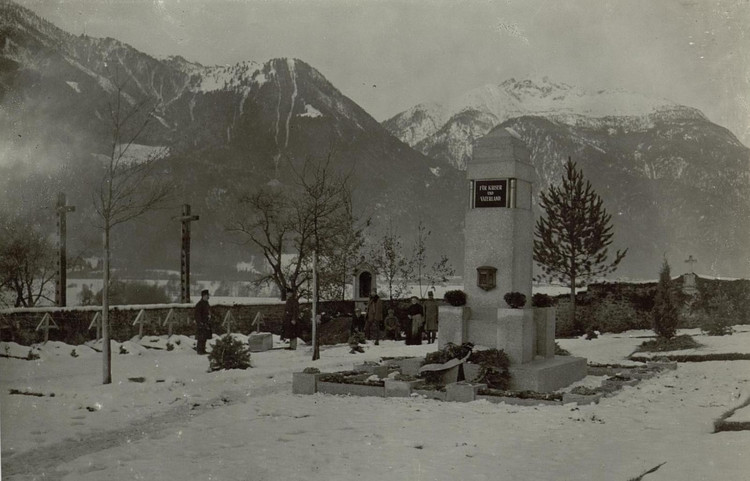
[452,325]
[524,334]
[544,318]
[512,330]
[547,375]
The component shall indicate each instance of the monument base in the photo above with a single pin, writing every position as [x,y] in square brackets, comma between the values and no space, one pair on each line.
[452,325]
[527,336]
[547,375]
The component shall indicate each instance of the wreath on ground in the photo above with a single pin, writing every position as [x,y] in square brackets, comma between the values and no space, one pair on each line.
[494,368]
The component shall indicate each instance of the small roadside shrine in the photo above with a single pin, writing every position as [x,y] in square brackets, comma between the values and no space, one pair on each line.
[365,281]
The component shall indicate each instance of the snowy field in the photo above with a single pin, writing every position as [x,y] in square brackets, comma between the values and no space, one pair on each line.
[165,417]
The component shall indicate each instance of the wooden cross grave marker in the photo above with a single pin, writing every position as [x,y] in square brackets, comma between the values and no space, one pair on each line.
[140,319]
[690,260]
[258,321]
[169,321]
[186,218]
[97,322]
[228,320]
[45,324]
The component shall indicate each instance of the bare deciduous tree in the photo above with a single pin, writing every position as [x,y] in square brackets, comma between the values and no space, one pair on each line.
[419,269]
[129,188]
[390,262]
[292,226]
[288,223]
[27,262]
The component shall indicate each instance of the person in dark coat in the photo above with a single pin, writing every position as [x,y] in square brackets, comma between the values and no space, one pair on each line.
[291,319]
[431,318]
[374,317]
[202,322]
[416,315]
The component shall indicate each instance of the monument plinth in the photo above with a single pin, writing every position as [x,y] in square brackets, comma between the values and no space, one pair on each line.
[498,258]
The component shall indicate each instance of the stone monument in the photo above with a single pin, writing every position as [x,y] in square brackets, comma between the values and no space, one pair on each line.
[498,259]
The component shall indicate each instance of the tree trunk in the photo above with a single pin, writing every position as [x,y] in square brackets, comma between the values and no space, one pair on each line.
[573,321]
[106,351]
[316,348]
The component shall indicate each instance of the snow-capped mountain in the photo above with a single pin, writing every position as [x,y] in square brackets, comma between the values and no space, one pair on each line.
[229,129]
[446,131]
[675,182]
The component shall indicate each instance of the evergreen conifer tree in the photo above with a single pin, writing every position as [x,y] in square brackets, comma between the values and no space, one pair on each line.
[572,237]
[665,314]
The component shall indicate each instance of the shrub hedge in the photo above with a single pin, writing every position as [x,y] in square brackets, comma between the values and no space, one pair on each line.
[619,306]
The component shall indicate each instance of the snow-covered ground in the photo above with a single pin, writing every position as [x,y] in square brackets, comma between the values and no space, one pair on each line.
[165,417]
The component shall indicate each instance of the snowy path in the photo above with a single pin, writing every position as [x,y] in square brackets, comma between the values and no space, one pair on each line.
[282,436]
[42,462]
[250,426]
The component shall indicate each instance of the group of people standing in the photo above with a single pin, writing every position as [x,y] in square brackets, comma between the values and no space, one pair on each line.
[422,320]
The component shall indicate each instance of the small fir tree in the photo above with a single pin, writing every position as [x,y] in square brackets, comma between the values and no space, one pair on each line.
[229,353]
[717,313]
[572,237]
[665,315]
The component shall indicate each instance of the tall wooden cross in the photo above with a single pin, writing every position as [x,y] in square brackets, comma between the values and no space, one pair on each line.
[186,219]
[690,260]
[62,263]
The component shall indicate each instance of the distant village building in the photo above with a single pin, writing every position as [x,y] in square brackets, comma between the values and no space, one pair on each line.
[246,267]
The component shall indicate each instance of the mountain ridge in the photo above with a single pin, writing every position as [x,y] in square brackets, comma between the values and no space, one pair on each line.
[674,181]
[689,177]
[229,129]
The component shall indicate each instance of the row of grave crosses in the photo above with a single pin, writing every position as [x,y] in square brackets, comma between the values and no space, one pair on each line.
[141,320]
[48,322]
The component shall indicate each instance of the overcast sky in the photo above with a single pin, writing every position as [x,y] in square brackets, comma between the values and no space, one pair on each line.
[388,55]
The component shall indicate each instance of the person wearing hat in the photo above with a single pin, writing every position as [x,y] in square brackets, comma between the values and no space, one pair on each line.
[203,322]
[415,312]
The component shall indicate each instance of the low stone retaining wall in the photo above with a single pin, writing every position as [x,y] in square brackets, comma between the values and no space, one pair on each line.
[350,389]
[462,391]
[581,399]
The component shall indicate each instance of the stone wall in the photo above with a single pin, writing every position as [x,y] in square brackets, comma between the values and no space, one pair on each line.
[19,325]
